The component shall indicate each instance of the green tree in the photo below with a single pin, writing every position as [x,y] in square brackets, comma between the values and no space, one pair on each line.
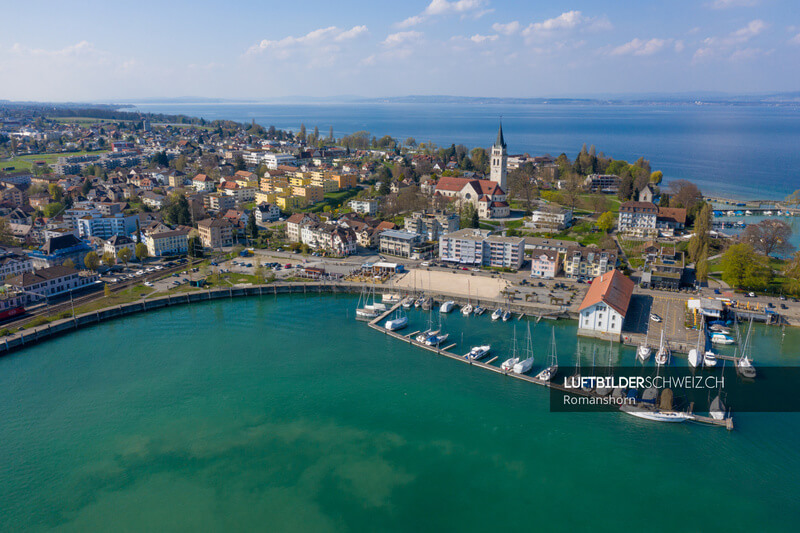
[301,135]
[474,220]
[106,290]
[108,259]
[69,263]
[176,210]
[252,227]
[701,268]
[124,255]
[743,268]
[52,209]
[91,260]
[141,251]
[605,222]
[6,236]
[656,177]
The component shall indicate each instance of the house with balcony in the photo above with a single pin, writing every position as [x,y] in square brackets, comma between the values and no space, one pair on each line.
[589,262]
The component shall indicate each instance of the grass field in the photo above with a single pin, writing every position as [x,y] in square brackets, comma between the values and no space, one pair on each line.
[26,162]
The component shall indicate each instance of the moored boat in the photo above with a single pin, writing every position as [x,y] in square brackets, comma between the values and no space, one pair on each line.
[447,306]
[552,364]
[498,313]
[478,352]
[524,366]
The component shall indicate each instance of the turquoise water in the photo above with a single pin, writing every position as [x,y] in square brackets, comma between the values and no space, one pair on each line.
[284,414]
[732,151]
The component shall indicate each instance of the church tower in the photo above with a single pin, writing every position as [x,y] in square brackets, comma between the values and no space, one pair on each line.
[499,161]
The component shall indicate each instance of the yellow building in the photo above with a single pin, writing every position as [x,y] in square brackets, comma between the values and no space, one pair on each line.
[286,202]
[310,193]
[327,184]
[263,197]
[345,181]
[297,181]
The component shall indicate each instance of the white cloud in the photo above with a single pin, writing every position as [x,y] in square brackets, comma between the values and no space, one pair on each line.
[401,37]
[565,22]
[318,37]
[639,47]
[730,44]
[754,28]
[679,46]
[477,38]
[506,29]
[795,39]
[473,8]
[725,4]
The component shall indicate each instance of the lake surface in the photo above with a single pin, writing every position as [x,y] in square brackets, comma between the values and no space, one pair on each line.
[285,414]
[736,152]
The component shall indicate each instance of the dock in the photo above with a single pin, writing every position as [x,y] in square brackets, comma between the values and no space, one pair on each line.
[728,422]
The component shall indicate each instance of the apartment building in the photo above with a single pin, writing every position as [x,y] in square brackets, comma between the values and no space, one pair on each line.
[215,232]
[432,224]
[174,242]
[51,281]
[479,248]
[589,262]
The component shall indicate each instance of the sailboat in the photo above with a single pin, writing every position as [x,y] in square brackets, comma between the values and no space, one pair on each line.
[418,301]
[744,366]
[663,413]
[605,391]
[478,352]
[589,385]
[447,306]
[479,310]
[696,354]
[423,335]
[498,313]
[644,350]
[717,408]
[436,339]
[662,356]
[509,363]
[408,301]
[367,307]
[526,364]
[467,309]
[552,361]
[574,380]
[399,321]
[506,316]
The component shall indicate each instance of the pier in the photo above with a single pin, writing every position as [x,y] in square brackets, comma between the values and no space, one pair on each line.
[409,338]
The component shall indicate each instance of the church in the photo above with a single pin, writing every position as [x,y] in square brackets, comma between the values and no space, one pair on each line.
[487,195]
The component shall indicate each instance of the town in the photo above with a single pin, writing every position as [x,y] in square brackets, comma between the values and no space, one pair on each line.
[115,207]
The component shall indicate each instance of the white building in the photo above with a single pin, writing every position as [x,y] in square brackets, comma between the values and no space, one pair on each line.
[95,225]
[167,243]
[499,160]
[550,217]
[365,207]
[267,213]
[478,248]
[51,281]
[638,219]
[273,160]
[605,305]
[12,264]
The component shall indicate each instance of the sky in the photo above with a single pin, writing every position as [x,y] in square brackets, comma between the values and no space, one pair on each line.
[90,51]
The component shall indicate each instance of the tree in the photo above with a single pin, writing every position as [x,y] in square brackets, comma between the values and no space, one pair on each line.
[411,142]
[769,236]
[124,254]
[656,177]
[685,194]
[571,190]
[521,184]
[6,236]
[743,268]
[53,209]
[108,259]
[106,290]
[258,271]
[301,135]
[701,268]
[474,220]
[141,251]
[69,263]
[160,158]
[238,163]
[252,227]
[91,260]
[598,203]
[605,222]
[176,210]
[480,159]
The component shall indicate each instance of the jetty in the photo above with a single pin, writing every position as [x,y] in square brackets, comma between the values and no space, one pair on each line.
[409,338]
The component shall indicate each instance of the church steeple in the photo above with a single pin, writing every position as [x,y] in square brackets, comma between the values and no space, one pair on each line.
[500,142]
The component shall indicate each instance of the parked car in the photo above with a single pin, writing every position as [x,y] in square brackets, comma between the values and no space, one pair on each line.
[751,294]
[716,291]
[654,317]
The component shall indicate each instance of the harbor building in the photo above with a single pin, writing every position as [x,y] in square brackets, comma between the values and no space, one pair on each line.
[478,248]
[605,305]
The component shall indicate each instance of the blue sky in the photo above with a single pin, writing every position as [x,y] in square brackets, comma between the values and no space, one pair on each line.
[86,50]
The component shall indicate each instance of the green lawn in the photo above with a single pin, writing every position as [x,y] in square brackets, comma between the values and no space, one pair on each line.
[25,162]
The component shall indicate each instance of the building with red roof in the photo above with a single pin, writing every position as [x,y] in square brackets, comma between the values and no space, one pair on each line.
[605,305]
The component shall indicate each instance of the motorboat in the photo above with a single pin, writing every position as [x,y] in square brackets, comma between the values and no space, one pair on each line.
[498,313]
[552,361]
[408,302]
[721,338]
[478,352]
[524,366]
[418,302]
[709,359]
[447,306]
[427,303]
[717,328]
[467,310]
[506,316]
[479,310]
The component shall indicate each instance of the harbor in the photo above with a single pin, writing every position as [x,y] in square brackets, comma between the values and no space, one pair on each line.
[726,422]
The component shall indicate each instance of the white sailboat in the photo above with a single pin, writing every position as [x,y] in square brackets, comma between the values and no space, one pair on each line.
[467,309]
[644,350]
[447,306]
[696,353]
[423,335]
[526,364]
[478,352]
[744,366]
[498,313]
[509,363]
[574,380]
[506,316]
[408,302]
[588,386]
[605,391]
[367,307]
[552,362]
[655,415]
[662,356]
[716,409]
[479,310]
[436,339]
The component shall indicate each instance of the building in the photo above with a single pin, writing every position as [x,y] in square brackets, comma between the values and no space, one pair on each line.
[216,201]
[432,224]
[670,220]
[273,160]
[173,242]
[605,305]
[399,243]
[534,243]
[545,264]
[201,182]
[104,227]
[589,262]
[664,269]
[151,199]
[294,222]
[605,183]
[57,250]
[345,181]
[12,264]
[485,195]
[117,243]
[638,219]
[499,160]
[215,232]
[478,248]
[647,194]
[551,218]
[365,207]
[51,281]
[266,212]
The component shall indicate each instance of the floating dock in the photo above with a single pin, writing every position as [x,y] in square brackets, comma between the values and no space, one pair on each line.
[374,324]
